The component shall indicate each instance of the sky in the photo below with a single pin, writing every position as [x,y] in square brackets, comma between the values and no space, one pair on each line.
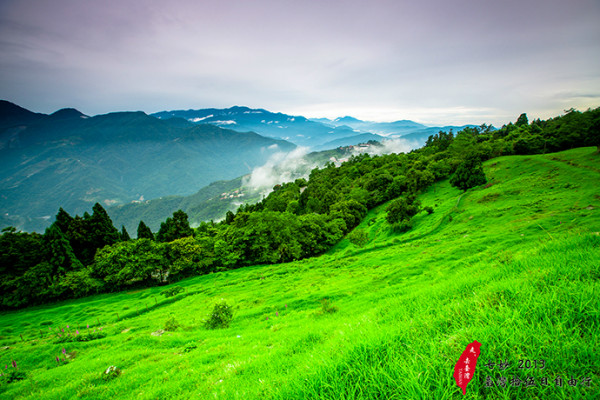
[437,62]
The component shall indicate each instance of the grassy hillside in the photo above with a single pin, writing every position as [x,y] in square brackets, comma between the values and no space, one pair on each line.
[514,265]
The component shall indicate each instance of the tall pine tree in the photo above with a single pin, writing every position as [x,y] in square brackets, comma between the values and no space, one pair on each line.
[143,232]
[102,229]
[59,252]
[63,221]
[124,234]
[87,234]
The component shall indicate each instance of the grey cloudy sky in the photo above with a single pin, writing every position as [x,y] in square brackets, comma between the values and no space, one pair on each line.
[433,61]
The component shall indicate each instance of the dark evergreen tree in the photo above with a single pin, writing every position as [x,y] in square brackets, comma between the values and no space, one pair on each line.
[522,120]
[229,217]
[124,234]
[90,233]
[19,251]
[80,238]
[441,140]
[59,252]
[102,229]
[143,232]
[63,220]
[468,174]
[594,131]
[174,228]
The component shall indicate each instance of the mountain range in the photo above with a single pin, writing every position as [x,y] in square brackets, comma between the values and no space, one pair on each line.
[316,133]
[71,160]
[405,129]
[296,129]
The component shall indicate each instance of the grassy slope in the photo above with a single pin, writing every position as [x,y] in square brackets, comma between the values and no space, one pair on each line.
[515,266]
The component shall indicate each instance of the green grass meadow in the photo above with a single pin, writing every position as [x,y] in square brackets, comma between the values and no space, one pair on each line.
[514,265]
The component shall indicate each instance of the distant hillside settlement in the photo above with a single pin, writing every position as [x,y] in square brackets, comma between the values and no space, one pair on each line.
[232,195]
[349,150]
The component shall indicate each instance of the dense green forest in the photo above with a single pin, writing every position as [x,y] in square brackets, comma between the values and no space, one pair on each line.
[77,256]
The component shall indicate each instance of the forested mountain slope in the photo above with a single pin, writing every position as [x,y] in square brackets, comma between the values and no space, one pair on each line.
[71,160]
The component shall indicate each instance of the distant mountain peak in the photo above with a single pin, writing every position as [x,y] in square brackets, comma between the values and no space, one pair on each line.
[239,108]
[346,119]
[65,113]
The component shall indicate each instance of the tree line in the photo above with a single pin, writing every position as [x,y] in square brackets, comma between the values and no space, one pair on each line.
[78,256]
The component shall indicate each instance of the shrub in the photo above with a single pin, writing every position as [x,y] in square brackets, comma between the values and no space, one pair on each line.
[220,317]
[190,347]
[403,208]
[327,307]
[82,337]
[86,337]
[111,373]
[172,291]
[13,375]
[171,324]
[402,226]
[358,237]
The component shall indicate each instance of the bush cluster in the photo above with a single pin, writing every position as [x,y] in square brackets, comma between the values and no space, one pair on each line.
[172,291]
[171,324]
[13,375]
[220,317]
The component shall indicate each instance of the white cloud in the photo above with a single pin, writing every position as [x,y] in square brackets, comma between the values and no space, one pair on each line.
[281,167]
[395,146]
[286,167]
[198,119]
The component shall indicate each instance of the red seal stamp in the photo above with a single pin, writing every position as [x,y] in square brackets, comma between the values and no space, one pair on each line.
[465,367]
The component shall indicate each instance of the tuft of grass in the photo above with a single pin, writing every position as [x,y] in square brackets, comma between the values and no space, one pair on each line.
[327,307]
[171,324]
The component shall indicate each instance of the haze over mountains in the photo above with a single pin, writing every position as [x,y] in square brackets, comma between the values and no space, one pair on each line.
[296,129]
[71,160]
[408,130]
[317,133]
